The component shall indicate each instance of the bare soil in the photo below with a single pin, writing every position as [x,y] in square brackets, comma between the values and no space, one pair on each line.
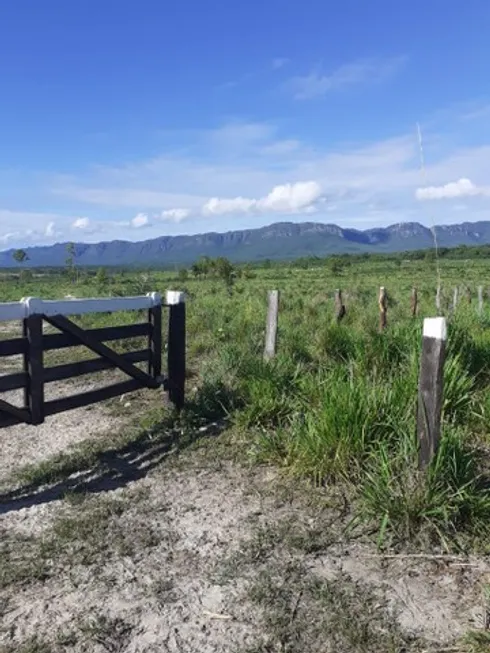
[163,549]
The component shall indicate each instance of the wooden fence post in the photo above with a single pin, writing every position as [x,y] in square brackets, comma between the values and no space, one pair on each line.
[176,348]
[480,300]
[383,307]
[431,379]
[271,326]
[438,298]
[414,302]
[468,294]
[32,328]
[455,299]
[339,306]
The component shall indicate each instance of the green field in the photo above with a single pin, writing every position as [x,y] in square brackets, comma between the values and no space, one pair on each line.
[338,403]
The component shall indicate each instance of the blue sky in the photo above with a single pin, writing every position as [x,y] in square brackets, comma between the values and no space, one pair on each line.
[137,119]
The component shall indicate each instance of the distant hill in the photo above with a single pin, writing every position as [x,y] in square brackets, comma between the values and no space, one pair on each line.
[282,240]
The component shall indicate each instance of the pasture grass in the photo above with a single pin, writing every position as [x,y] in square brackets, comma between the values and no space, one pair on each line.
[338,403]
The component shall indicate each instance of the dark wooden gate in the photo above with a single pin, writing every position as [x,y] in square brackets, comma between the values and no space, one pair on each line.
[33,344]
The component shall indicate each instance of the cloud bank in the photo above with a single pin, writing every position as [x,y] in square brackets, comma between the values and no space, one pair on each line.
[299,197]
[244,175]
[461,188]
[365,71]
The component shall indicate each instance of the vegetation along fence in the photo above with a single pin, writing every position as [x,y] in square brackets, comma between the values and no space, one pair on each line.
[34,342]
[431,376]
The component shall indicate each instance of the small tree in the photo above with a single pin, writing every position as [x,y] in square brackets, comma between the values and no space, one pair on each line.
[26,275]
[203,267]
[430,256]
[225,271]
[196,270]
[71,261]
[209,266]
[335,267]
[101,278]
[248,272]
[183,275]
[20,256]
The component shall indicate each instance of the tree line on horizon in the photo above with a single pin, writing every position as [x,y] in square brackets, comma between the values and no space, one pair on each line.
[221,267]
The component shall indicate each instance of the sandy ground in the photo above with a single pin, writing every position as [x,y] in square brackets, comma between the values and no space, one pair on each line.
[193,553]
[23,444]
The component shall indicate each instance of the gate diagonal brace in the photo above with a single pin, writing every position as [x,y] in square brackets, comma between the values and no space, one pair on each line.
[63,324]
[20,414]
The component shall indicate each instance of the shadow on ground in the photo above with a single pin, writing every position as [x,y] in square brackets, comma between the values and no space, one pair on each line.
[109,470]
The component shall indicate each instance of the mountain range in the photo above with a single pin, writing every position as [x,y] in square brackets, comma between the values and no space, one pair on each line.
[282,240]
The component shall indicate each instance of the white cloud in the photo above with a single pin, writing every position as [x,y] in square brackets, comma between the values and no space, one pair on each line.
[174,215]
[22,237]
[292,197]
[222,206]
[286,198]
[477,113]
[279,62]
[20,217]
[238,137]
[275,64]
[17,228]
[126,197]
[82,223]
[50,231]
[461,188]
[281,148]
[11,236]
[254,161]
[364,71]
[140,220]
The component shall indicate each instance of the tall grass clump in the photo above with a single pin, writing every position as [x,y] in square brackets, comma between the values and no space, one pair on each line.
[339,417]
[447,506]
[348,417]
[270,391]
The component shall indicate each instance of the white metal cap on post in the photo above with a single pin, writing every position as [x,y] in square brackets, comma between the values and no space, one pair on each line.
[34,306]
[435,327]
[155,297]
[175,297]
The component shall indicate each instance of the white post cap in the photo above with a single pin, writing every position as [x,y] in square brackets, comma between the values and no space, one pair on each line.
[175,297]
[156,298]
[34,306]
[435,327]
